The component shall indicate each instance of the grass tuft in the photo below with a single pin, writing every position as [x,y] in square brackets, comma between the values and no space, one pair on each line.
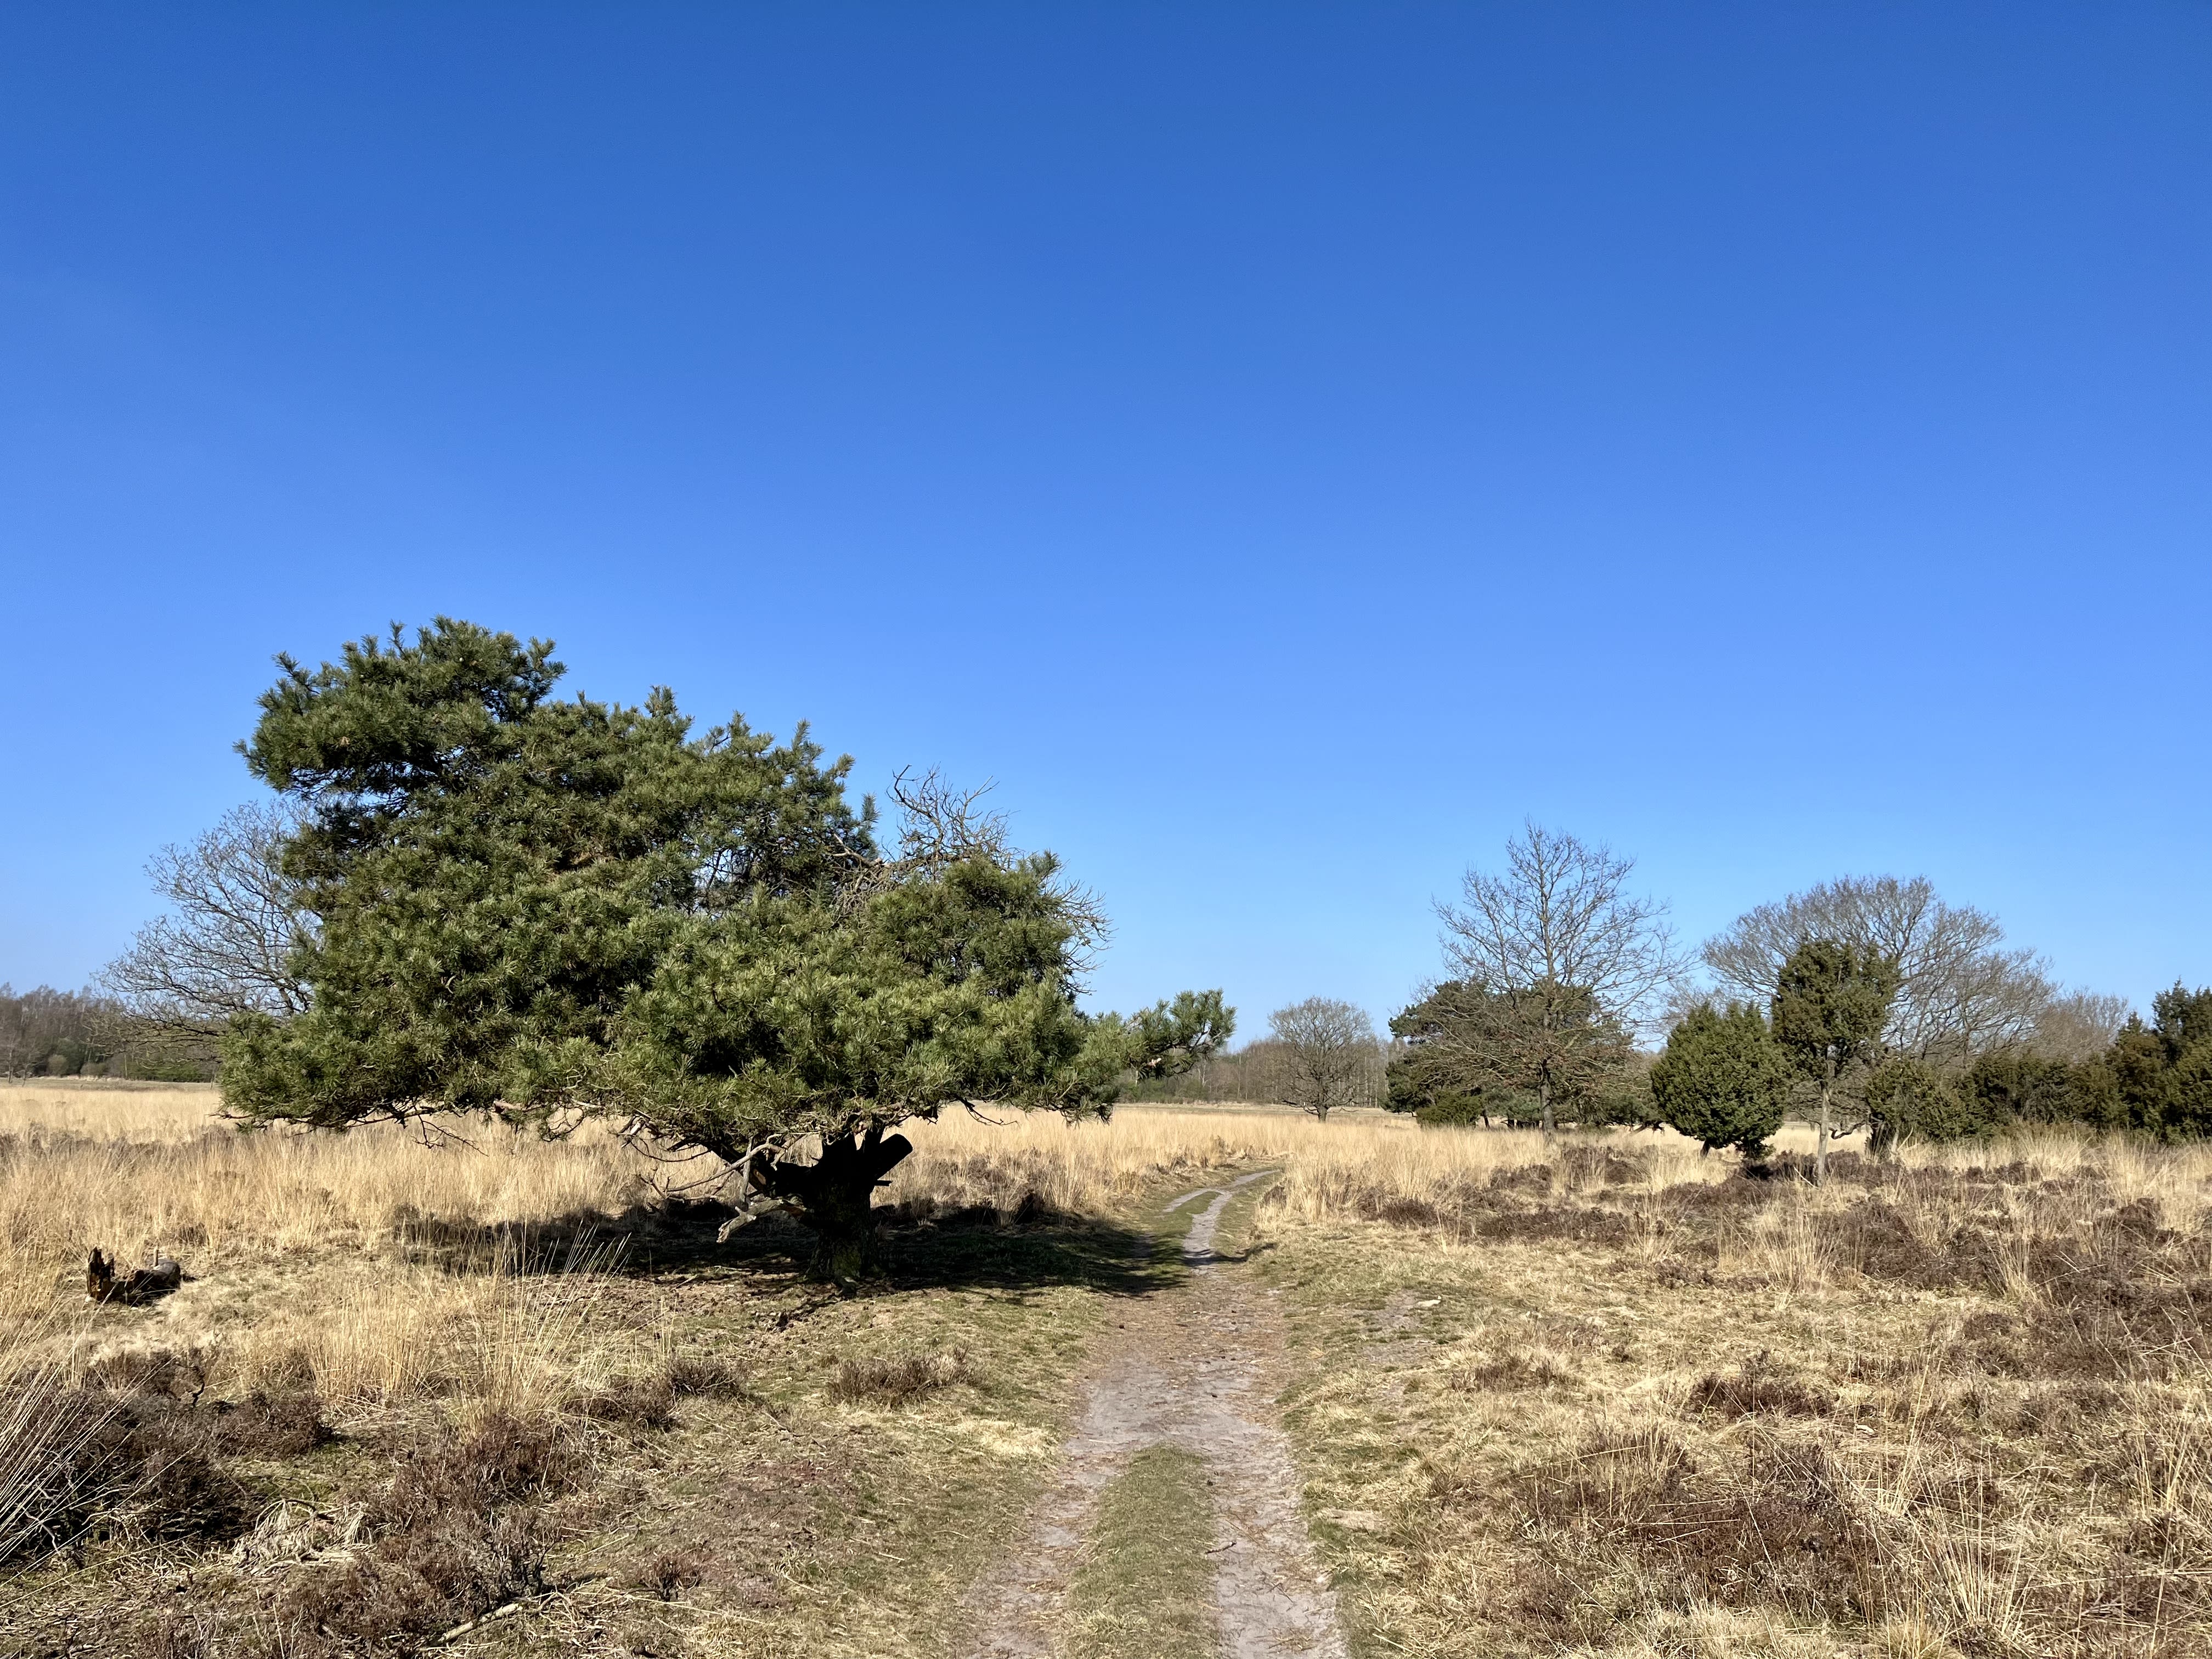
[1758,1388]
[896,1379]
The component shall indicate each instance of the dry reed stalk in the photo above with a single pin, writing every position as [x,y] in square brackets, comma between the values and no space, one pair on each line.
[138,1184]
[537,1337]
[45,1426]
[1782,1243]
[384,1339]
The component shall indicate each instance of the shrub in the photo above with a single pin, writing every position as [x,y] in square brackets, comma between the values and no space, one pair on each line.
[139,1468]
[1722,1081]
[649,1402]
[1757,1389]
[282,1423]
[1510,1370]
[1909,1098]
[2163,1071]
[897,1380]
[50,1478]
[672,1572]
[709,1375]
[2005,1088]
[1454,1108]
[1775,1528]
[458,1534]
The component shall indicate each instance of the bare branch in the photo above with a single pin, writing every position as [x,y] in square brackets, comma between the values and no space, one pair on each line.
[2079,1025]
[1326,1047]
[226,947]
[1559,966]
[1960,993]
[941,826]
[1561,920]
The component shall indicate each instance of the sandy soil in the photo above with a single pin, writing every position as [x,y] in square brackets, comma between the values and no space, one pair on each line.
[1192,1370]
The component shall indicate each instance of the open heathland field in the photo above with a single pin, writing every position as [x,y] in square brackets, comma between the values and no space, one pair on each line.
[1403,1391]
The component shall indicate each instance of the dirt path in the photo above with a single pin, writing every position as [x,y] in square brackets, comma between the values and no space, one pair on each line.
[1187,1369]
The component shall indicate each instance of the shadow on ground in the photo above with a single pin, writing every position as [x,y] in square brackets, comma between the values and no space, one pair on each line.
[971,1248]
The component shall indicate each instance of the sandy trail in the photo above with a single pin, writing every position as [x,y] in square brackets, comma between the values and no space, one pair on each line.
[1187,1369]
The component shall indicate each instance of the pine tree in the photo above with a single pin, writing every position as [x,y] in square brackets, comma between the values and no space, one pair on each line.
[2164,1069]
[536,909]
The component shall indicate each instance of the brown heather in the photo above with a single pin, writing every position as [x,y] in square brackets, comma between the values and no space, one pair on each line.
[1637,1403]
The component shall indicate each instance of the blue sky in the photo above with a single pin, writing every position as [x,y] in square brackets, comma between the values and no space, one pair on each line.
[1284,446]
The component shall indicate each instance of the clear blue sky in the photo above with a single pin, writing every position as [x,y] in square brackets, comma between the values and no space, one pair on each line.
[1283,445]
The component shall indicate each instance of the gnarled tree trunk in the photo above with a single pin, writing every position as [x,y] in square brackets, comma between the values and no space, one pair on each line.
[833,1196]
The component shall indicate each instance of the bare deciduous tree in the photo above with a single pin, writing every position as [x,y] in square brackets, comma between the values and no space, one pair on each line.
[1559,962]
[1327,1047]
[1960,993]
[226,948]
[2079,1025]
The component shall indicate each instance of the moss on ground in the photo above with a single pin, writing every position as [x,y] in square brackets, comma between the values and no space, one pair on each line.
[1142,1586]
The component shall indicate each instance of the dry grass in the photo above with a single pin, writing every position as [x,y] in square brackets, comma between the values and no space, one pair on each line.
[295,1440]
[107,1109]
[1607,1395]
[157,1167]
[317,1261]
[1090,1167]
[329,1257]
[1620,1400]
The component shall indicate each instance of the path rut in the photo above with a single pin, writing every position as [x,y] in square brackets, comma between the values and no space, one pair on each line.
[1187,1369]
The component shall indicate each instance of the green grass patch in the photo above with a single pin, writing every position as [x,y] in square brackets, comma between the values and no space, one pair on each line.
[1142,1586]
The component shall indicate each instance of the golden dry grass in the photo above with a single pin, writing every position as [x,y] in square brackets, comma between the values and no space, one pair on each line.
[1963,1398]
[1620,1400]
[141,1169]
[424,1299]
[298,1244]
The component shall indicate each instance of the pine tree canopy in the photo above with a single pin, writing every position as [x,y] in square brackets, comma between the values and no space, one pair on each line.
[2164,1069]
[530,906]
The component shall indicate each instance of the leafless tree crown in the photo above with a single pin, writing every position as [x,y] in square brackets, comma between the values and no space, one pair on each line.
[1327,1046]
[1961,994]
[2079,1025]
[1560,922]
[226,947]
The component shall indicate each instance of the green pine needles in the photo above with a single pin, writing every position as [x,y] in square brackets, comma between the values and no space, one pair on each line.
[547,909]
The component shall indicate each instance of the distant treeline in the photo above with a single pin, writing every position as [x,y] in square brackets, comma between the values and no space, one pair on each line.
[1261,1072]
[2153,1076]
[1865,1003]
[1862,1003]
[49,1033]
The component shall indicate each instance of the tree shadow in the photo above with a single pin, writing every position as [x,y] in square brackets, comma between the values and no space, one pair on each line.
[966,1252]
[1236,1258]
[678,1239]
